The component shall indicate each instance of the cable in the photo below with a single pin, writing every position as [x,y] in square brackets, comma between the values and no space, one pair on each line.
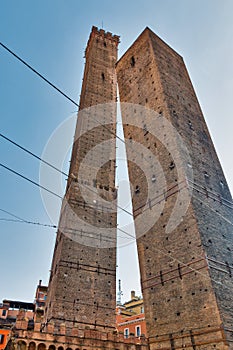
[40,75]
[44,188]
[33,154]
[55,168]
[53,86]
[216,212]
[28,222]
[60,91]
[29,180]
[67,97]
[18,219]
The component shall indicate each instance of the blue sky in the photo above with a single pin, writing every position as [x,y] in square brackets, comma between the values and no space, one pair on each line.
[51,35]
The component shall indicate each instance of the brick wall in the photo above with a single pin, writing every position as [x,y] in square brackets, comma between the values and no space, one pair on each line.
[82,283]
[188,299]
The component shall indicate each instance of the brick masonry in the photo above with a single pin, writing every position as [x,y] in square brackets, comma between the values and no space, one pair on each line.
[82,284]
[186,272]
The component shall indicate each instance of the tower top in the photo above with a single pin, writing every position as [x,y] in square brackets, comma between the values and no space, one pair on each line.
[104,35]
[99,35]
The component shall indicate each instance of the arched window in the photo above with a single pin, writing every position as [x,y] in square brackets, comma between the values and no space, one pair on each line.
[52,347]
[41,346]
[32,346]
[21,345]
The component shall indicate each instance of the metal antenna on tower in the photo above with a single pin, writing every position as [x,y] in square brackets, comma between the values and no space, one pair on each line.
[119,293]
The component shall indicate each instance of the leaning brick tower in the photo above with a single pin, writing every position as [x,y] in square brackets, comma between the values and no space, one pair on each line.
[186,269]
[82,284]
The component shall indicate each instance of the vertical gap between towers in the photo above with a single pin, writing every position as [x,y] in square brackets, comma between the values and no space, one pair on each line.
[127,257]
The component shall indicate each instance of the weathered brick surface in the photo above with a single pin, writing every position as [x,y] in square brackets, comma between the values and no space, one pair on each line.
[83,340]
[82,284]
[186,274]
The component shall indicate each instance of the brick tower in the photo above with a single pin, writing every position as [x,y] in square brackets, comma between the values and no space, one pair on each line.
[82,283]
[186,269]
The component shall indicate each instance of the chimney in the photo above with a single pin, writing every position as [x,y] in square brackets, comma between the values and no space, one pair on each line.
[40,281]
[132,294]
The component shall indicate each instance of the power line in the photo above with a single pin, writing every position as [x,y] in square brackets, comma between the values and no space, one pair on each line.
[40,75]
[60,91]
[29,180]
[71,100]
[46,189]
[68,98]
[55,168]
[32,154]
[19,219]
[28,222]
[54,86]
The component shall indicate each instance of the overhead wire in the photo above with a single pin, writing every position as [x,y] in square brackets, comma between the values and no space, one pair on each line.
[29,180]
[33,182]
[19,219]
[60,91]
[55,168]
[44,188]
[54,86]
[67,97]
[39,74]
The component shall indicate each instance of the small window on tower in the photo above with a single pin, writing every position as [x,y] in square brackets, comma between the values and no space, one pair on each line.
[103,77]
[132,61]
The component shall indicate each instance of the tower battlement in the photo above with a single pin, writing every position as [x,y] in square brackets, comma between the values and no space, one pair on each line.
[101,37]
[105,35]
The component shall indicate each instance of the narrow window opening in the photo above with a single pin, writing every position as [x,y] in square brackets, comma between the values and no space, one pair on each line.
[103,77]
[190,125]
[153,178]
[132,61]
[172,165]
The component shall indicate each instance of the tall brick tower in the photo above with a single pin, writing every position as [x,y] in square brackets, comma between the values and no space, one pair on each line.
[187,270]
[82,283]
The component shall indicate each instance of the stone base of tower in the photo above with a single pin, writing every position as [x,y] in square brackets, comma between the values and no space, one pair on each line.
[76,339]
[89,339]
[200,339]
